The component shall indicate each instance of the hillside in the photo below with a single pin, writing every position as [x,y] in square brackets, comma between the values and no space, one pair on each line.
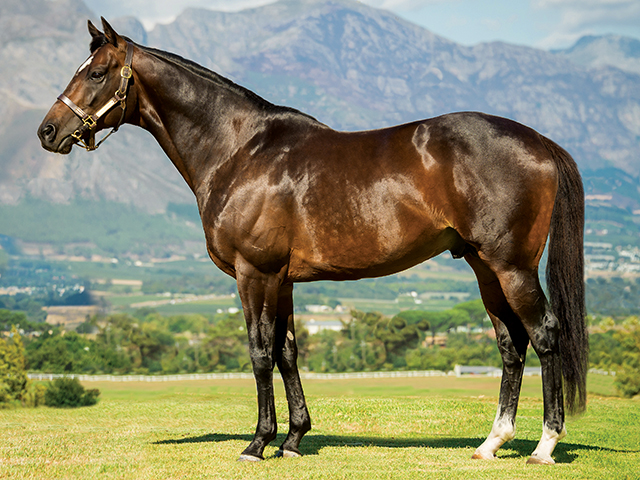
[351,66]
[605,51]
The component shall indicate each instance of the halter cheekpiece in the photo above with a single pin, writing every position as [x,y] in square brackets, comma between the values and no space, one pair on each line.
[90,122]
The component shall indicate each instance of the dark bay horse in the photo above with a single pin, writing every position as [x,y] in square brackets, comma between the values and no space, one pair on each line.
[284,199]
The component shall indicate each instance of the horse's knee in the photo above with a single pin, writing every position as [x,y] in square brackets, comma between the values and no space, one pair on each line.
[262,365]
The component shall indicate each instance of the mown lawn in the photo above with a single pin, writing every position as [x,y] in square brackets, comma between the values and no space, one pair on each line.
[363,429]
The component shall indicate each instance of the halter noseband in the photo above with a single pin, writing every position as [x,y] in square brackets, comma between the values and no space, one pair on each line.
[90,122]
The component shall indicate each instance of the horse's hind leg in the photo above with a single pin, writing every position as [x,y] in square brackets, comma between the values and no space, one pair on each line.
[512,342]
[286,358]
[525,296]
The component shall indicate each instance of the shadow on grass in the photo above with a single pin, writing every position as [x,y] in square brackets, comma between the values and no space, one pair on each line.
[312,444]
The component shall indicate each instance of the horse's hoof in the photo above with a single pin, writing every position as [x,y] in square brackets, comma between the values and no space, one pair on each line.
[479,455]
[249,458]
[287,454]
[537,460]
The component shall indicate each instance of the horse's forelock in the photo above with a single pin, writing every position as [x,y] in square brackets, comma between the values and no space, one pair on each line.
[97,42]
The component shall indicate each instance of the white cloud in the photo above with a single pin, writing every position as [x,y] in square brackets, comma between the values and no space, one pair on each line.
[580,3]
[491,24]
[400,4]
[582,17]
[165,11]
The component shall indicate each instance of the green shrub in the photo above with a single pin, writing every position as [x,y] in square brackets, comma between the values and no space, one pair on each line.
[35,394]
[628,378]
[13,377]
[67,392]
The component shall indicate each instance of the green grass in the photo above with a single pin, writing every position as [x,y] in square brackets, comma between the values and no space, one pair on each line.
[392,307]
[208,307]
[204,307]
[380,428]
[179,307]
[124,270]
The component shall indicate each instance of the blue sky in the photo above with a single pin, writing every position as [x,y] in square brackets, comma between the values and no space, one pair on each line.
[538,23]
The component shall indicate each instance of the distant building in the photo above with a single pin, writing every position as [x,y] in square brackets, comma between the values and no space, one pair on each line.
[314,326]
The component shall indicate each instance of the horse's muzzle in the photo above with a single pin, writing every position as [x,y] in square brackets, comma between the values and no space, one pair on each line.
[49,139]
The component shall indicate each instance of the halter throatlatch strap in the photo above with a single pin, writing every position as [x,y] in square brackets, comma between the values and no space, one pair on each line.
[90,122]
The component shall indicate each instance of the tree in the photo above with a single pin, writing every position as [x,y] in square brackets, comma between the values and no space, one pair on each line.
[62,353]
[13,376]
[133,346]
[419,318]
[19,319]
[628,378]
[476,311]
[444,321]
[399,336]
[225,347]
[374,341]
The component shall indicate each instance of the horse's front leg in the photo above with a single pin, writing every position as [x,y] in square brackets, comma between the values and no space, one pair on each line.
[286,359]
[259,294]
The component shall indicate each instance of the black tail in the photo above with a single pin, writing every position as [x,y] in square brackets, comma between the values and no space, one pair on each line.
[565,277]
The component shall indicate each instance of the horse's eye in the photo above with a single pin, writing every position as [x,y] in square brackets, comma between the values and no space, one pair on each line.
[97,76]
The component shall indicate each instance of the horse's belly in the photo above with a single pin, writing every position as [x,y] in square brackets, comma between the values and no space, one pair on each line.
[350,258]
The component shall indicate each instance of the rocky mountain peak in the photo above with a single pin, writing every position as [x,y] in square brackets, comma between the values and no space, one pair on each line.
[605,51]
[347,64]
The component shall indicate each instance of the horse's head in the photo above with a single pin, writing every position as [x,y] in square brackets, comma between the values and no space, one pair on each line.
[89,103]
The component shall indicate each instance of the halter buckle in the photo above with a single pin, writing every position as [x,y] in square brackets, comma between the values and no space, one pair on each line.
[90,122]
[126,72]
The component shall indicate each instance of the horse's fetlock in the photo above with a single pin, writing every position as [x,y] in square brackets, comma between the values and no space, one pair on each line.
[306,426]
[267,432]
[551,323]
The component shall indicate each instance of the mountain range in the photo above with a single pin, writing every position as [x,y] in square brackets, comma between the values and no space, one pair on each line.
[349,65]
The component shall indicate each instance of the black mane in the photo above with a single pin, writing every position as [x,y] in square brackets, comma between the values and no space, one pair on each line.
[219,80]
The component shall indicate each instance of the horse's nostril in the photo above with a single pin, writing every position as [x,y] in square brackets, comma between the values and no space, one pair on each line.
[48,132]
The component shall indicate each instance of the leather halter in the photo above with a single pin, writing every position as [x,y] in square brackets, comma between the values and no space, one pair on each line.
[90,122]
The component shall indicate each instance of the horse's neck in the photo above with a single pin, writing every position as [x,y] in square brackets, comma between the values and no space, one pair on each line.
[197,122]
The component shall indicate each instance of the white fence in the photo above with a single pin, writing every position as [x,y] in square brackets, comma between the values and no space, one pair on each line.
[459,371]
[142,378]
[234,376]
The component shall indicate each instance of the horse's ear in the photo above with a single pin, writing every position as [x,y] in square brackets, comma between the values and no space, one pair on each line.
[110,33]
[97,37]
[93,30]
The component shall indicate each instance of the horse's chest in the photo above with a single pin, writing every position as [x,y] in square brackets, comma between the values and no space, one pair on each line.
[262,244]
